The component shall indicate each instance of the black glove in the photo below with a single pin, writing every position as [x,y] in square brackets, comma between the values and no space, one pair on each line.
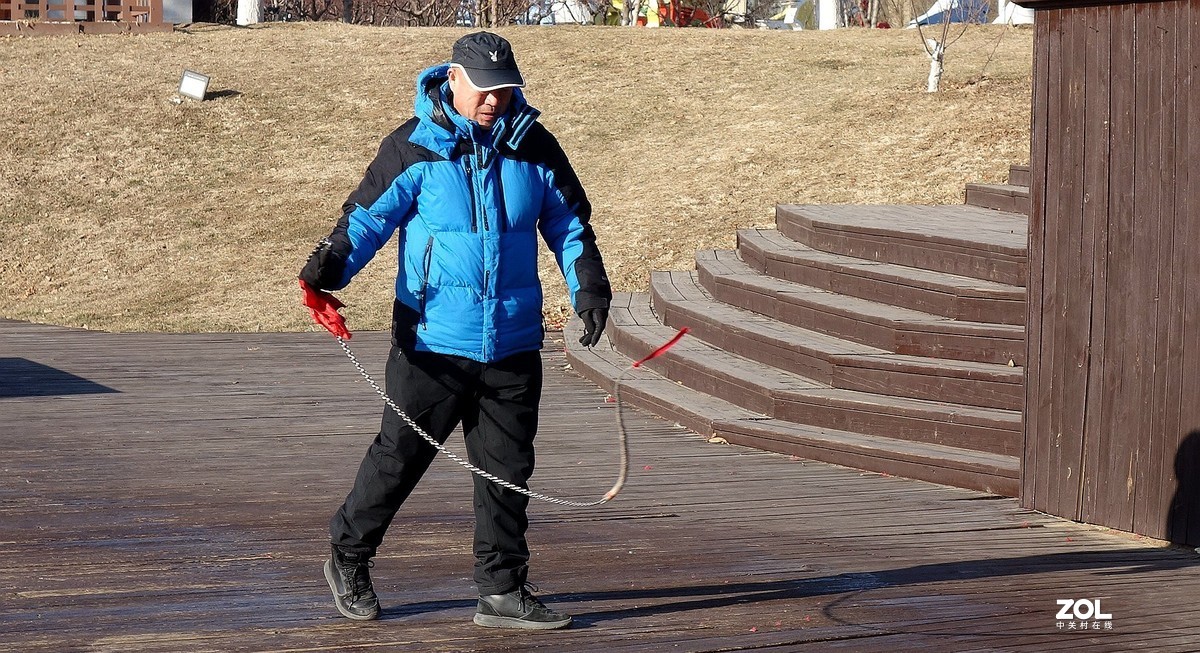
[324,268]
[593,325]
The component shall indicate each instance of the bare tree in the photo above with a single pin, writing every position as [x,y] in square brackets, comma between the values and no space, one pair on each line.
[630,11]
[936,47]
[873,7]
[493,13]
[408,13]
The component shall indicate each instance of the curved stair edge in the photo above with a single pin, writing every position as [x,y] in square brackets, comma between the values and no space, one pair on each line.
[710,416]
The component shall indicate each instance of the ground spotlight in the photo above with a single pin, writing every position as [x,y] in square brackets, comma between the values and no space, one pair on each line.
[193,85]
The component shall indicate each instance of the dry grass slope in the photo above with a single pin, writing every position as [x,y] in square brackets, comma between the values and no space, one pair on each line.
[124,211]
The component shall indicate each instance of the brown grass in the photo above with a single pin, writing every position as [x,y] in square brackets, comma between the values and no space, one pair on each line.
[124,211]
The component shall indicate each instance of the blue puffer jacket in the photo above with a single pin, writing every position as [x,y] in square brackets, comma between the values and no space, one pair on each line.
[469,204]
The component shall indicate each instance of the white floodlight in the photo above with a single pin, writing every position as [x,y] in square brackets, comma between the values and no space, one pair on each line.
[193,85]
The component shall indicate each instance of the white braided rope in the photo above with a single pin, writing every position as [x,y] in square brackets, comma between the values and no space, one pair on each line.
[608,496]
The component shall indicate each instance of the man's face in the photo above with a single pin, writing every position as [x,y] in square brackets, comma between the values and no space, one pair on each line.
[484,107]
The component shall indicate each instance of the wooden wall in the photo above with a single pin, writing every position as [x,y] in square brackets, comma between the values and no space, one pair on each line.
[45,13]
[1112,414]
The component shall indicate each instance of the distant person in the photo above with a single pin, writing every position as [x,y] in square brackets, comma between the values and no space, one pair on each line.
[468,183]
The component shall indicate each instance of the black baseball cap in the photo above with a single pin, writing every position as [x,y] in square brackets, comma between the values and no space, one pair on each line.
[488,61]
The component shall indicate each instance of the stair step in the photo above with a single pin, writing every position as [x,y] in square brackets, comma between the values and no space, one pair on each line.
[1018,176]
[709,416]
[999,197]
[680,301]
[963,240]
[647,389]
[634,330]
[900,330]
[991,473]
[949,295]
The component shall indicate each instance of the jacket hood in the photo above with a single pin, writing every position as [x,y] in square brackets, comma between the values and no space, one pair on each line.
[433,107]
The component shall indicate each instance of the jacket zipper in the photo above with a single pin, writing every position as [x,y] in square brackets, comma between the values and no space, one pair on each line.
[502,217]
[482,209]
[425,281]
[471,190]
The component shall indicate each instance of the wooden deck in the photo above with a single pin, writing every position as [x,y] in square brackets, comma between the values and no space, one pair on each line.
[171,493]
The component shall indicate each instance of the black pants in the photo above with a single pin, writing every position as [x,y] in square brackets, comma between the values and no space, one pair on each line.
[497,404]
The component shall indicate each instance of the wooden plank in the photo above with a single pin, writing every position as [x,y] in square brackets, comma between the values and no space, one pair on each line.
[1190,196]
[877,324]
[1180,460]
[993,474]
[1049,391]
[1096,212]
[931,237]
[1018,175]
[824,359]
[1072,269]
[1035,459]
[826,411]
[947,295]
[1175,432]
[1146,252]
[1152,511]
[1116,392]
[949,228]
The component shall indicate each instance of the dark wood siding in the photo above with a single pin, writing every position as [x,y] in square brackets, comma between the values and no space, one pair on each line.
[1112,325]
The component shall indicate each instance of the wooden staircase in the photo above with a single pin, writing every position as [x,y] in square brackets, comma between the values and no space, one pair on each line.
[887,338]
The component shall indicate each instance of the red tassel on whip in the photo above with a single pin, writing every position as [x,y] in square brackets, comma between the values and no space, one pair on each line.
[663,349]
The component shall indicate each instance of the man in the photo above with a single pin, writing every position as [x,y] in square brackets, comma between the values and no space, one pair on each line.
[468,183]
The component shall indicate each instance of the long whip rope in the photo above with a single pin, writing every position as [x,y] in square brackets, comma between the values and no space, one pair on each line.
[623,437]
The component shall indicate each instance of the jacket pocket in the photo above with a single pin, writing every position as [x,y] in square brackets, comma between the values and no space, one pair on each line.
[423,293]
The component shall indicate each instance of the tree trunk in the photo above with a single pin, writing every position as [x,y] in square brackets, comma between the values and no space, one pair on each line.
[827,14]
[629,12]
[936,55]
[249,12]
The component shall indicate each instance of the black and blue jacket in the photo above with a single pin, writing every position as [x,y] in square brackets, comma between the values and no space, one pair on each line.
[469,204]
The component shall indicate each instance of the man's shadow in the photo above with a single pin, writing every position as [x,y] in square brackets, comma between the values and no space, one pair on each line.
[1183,515]
[683,598]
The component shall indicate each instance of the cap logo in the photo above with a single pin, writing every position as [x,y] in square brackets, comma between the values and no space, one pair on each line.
[495,57]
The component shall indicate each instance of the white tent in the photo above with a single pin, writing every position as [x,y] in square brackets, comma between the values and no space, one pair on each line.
[1011,13]
[956,11]
[560,12]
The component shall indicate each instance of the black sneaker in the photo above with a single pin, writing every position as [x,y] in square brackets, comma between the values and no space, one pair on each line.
[518,609]
[349,578]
